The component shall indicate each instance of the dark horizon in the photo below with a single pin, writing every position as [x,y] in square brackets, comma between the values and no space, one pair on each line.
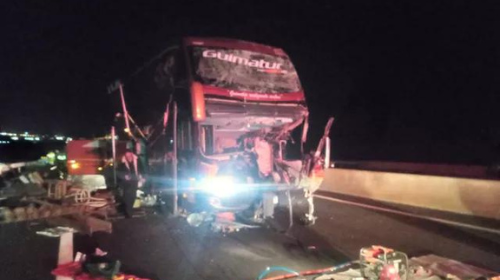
[406,81]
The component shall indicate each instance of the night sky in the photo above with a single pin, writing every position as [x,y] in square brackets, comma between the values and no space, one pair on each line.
[406,80]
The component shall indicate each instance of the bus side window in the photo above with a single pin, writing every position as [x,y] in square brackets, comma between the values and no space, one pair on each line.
[166,71]
[181,74]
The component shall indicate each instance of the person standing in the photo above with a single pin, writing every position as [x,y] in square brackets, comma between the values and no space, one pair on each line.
[129,177]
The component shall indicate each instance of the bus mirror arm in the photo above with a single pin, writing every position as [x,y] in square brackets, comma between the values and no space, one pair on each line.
[310,165]
[324,139]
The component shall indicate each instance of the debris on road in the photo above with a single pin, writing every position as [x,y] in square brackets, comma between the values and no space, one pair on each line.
[56,231]
[223,222]
[30,196]
[381,263]
[445,267]
[94,224]
[94,268]
[63,205]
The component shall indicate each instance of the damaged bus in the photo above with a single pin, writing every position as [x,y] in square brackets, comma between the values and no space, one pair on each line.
[221,115]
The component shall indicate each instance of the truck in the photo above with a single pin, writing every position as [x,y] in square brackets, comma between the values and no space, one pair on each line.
[218,118]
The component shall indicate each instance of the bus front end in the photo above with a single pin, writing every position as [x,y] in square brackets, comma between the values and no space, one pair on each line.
[249,106]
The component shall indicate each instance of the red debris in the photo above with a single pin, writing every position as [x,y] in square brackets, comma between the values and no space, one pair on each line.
[226,217]
[74,270]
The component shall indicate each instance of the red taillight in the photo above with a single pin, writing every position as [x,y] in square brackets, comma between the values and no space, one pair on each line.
[198,102]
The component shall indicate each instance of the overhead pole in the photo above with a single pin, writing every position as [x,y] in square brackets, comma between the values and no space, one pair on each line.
[137,127]
[111,88]
[174,161]
[113,148]
[124,108]
[165,142]
[166,115]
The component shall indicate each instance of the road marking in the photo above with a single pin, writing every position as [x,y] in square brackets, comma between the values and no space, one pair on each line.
[437,220]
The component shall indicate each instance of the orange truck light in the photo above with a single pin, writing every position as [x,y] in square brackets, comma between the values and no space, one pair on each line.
[198,102]
[75,165]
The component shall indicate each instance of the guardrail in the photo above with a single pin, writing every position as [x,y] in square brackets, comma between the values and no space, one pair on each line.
[476,197]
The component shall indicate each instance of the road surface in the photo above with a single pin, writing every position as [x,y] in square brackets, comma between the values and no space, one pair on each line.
[168,248]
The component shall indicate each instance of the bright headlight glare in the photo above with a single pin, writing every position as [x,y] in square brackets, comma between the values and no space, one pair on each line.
[220,186]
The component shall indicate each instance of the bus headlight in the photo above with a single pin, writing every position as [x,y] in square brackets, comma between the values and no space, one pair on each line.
[220,186]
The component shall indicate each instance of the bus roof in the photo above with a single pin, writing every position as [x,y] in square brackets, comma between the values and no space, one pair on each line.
[235,44]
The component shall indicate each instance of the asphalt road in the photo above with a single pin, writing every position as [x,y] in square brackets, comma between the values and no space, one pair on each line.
[347,228]
[167,248]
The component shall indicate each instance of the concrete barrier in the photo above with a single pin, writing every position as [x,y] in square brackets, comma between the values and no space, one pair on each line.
[458,195]
[450,170]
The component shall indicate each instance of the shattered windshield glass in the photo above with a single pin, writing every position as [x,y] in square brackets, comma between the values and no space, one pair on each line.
[244,70]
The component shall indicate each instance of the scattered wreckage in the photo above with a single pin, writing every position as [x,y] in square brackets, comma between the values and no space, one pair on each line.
[28,194]
[382,263]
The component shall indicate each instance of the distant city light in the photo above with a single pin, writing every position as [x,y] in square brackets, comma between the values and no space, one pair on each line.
[33,137]
[7,133]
